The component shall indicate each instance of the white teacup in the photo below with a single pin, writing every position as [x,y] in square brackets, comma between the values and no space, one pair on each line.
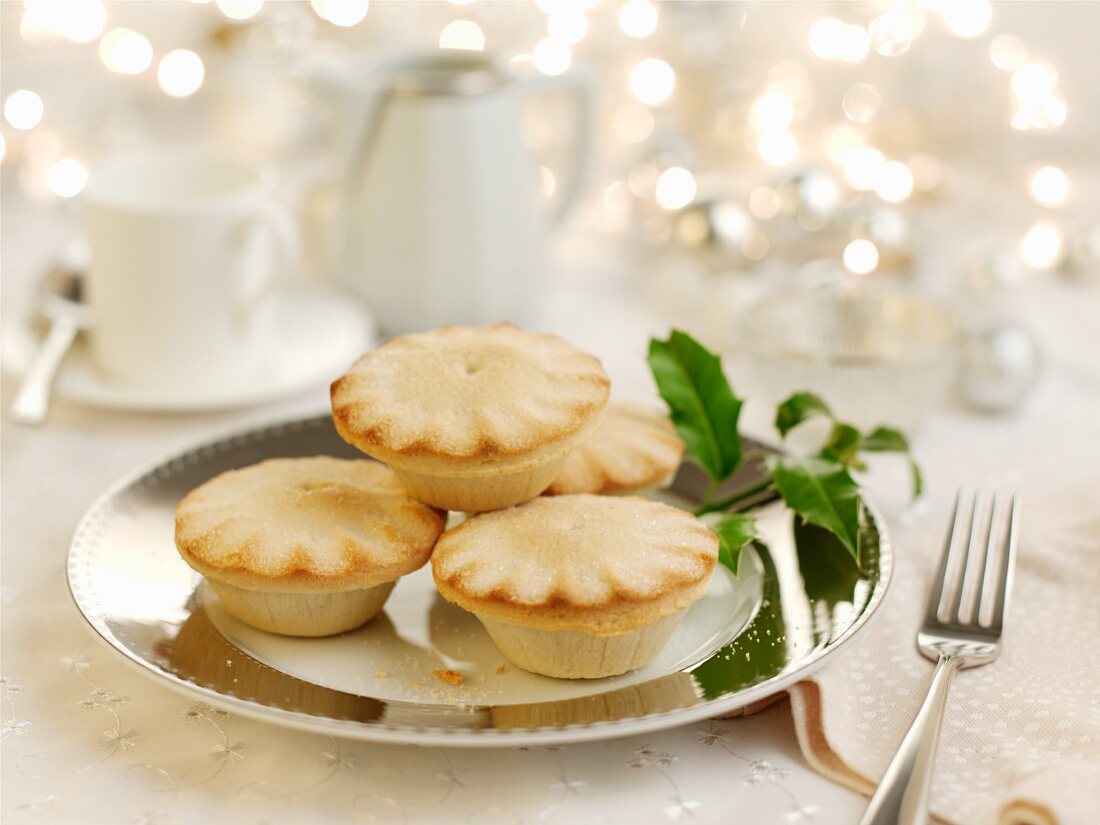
[185,247]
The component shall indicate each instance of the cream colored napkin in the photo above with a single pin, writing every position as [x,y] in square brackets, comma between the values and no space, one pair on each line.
[1021,739]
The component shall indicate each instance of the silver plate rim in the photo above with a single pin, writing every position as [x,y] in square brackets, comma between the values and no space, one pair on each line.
[440,736]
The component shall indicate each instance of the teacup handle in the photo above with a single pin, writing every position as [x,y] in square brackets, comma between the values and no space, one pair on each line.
[275,218]
[578,83]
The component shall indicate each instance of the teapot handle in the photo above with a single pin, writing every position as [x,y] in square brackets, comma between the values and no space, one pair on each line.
[578,83]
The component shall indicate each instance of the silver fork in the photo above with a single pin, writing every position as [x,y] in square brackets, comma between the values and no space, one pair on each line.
[962,628]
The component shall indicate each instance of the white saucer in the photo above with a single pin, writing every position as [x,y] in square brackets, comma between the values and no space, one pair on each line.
[321,331]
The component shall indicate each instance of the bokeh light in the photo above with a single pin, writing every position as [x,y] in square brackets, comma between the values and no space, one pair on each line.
[777,147]
[821,193]
[825,38]
[764,202]
[180,73]
[652,81]
[638,18]
[568,24]
[23,109]
[772,110]
[861,103]
[862,168]
[1034,81]
[1042,245]
[125,51]
[675,188]
[1007,52]
[67,177]
[80,21]
[894,182]
[861,256]
[832,39]
[462,34]
[893,31]
[1049,186]
[341,12]
[551,56]
[239,9]
[967,18]
[841,141]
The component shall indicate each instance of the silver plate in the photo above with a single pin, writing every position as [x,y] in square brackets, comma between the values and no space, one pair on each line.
[796,602]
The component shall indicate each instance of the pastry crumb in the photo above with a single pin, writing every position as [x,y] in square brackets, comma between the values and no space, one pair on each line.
[381,674]
[501,668]
[449,676]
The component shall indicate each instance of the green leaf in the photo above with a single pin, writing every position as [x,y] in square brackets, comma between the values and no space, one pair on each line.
[918,478]
[800,407]
[701,404]
[885,440]
[822,493]
[734,532]
[843,446]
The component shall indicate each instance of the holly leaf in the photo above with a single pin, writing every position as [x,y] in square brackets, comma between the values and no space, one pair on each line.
[822,493]
[734,532]
[701,404]
[917,477]
[843,446]
[885,440]
[800,407]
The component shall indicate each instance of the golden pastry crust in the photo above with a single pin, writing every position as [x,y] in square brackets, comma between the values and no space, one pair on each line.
[308,525]
[599,564]
[632,448]
[465,401]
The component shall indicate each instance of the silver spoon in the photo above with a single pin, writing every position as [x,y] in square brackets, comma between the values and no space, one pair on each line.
[61,304]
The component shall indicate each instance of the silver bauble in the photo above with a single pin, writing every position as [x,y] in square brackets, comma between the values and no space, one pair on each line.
[811,196]
[1000,367]
[720,231]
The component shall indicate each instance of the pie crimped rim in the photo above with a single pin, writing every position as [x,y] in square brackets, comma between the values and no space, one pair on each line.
[599,564]
[314,524]
[467,401]
[632,448]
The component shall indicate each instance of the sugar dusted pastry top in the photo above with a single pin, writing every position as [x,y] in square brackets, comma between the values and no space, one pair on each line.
[470,401]
[601,564]
[632,448]
[306,524]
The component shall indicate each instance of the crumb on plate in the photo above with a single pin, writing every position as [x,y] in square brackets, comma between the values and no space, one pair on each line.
[449,676]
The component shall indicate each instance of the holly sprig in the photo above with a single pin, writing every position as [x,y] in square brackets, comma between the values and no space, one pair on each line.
[819,488]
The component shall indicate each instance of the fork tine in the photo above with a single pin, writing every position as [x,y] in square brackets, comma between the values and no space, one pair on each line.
[964,562]
[983,593]
[934,598]
[1008,566]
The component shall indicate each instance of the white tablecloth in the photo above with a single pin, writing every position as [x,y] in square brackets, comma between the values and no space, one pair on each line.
[87,739]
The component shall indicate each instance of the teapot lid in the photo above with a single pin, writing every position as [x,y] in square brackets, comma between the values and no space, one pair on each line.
[446,73]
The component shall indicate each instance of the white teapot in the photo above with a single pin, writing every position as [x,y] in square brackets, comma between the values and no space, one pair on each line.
[441,215]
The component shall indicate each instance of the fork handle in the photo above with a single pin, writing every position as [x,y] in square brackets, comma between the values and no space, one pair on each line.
[902,796]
